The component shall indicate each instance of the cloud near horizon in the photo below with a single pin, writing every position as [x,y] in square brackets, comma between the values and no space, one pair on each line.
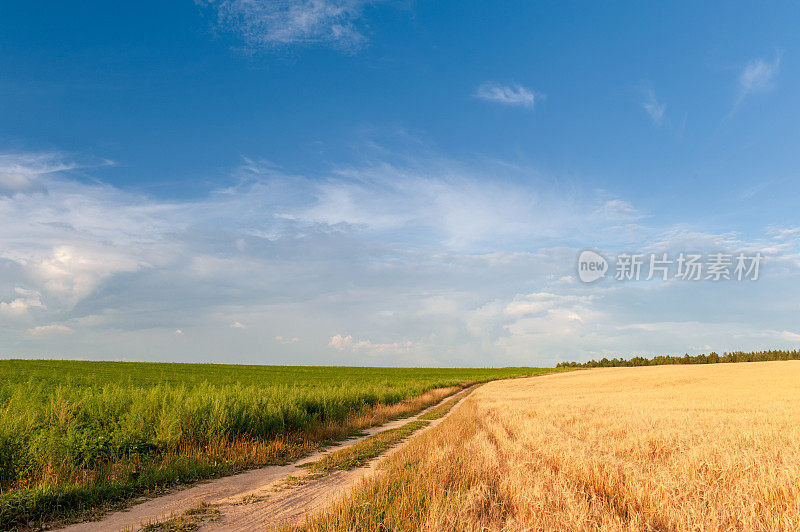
[387,263]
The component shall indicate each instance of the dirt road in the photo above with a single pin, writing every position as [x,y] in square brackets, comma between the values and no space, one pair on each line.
[250,500]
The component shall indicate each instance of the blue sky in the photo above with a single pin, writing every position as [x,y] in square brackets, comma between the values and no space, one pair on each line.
[392,182]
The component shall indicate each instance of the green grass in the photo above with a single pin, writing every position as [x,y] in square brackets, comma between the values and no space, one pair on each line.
[191,519]
[77,438]
[442,410]
[361,453]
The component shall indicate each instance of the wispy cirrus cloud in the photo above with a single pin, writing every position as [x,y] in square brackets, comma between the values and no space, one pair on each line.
[55,328]
[277,23]
[347,343]
[281,253]
[418,262]
[21,172]
[757,76]
[512,94]
[655,109]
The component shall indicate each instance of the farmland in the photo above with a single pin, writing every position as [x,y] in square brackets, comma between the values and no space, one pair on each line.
[78,438]
[681,447]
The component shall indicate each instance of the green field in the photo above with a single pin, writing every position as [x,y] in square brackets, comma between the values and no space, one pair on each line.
[77,438]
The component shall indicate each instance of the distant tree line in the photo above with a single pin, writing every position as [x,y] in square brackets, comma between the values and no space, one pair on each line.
[712,358]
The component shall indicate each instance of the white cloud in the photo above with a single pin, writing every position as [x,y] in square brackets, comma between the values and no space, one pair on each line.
[655,109]
[790,336]
[21,305]
[69,237]
[618,210]
[340,342]
[758,76]
[368,347]
[785,233]
[274,23]
[562,323]
[429,262]
[570,306]
[22,172]
[511,94]
[458,204]
[237,325]
[683,238]
[50,329]
[73,272]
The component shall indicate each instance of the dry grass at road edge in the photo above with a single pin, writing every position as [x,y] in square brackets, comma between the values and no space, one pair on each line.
[191,519]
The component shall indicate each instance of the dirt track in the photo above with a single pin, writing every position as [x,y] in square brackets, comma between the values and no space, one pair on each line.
[249,500]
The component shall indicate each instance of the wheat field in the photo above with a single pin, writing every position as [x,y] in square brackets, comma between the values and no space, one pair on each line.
[707,447]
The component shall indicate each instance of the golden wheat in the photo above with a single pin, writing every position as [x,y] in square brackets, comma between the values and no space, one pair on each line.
[653,448]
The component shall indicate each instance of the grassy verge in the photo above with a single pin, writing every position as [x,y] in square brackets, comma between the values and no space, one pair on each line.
[191,519]
[442,410]
[361,453]
[410,488]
